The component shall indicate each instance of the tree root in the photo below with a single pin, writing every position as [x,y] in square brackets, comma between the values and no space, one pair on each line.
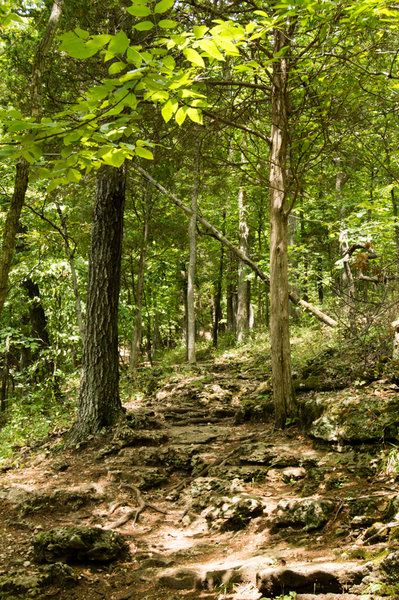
[132,512]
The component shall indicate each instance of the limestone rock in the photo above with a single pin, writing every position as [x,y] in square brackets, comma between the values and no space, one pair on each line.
[313,578]
[352,419]
[233,514]
[309,514]
[390,565]
[77,544]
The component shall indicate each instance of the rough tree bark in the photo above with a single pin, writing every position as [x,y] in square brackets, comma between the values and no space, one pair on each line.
[192,234]
[394,201]
[243,287]
[217,298]
[283,391]
[99,401]
[138,326]
[22,170]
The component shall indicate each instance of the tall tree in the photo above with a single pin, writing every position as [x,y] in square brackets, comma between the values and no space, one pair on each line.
[22,168]
[243,287]
[99,400]
[283,391]
[193,256]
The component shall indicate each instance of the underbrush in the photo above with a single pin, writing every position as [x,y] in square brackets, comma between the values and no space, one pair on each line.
[29,419]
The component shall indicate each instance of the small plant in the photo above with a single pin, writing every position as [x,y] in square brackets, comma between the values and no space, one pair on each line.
[392,461]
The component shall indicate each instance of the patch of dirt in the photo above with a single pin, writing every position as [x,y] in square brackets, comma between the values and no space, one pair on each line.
[210,504]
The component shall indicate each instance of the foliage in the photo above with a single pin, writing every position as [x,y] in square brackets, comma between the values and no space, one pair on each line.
[141,82]
[28,422]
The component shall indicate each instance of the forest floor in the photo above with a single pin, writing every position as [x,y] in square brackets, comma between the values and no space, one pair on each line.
[211,502]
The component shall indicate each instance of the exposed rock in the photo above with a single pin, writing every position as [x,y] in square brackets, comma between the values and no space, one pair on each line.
[392,510]
[77,544]
[244,473]
[224,576]
[308,514]
[390,565]
[263,454]
[378,532]
[213,391]
[59,574]
[144,478]
[180,579]
[353,419]
[125,437]
[293,474]
[197,435]
[143,419]
[313,578]
[363,506]
[260,411]
[232,514]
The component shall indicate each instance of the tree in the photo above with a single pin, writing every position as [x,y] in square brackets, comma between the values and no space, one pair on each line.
[99,400]
[193,256]
[22,169]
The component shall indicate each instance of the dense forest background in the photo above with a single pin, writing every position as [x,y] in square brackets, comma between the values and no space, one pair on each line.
[275,123]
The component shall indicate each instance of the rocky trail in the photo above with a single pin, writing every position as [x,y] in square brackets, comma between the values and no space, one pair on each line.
[196,496]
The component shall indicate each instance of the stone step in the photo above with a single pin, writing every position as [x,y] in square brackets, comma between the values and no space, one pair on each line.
[315,578]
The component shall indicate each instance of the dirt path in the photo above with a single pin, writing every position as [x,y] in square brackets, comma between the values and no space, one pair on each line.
[211,505]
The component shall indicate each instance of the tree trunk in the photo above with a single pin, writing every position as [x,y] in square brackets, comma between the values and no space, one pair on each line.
[396,225]
[22,170]
[231,295]
[192,262]
[36,312]
[242,321]
[138,326]
[99,401]
[12,225]
[71,261]
[217,300]
[283,393]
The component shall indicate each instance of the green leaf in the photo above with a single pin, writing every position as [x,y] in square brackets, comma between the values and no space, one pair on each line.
[54,183]
[200,31]
[116,67]
[139,11]
[180,116]
[144,153]
[73,175]
[82,33]
[119,43]
[112,156]
[76,47]
[98,41]
[169,62]
[227,45]
[169,109]
[144,26]
[210,48]
[163,6]
[195,115]
[28,156]
[167,24]
[193,57]
[133,56]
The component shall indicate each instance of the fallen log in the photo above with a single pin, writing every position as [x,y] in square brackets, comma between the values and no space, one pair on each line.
[293,296]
